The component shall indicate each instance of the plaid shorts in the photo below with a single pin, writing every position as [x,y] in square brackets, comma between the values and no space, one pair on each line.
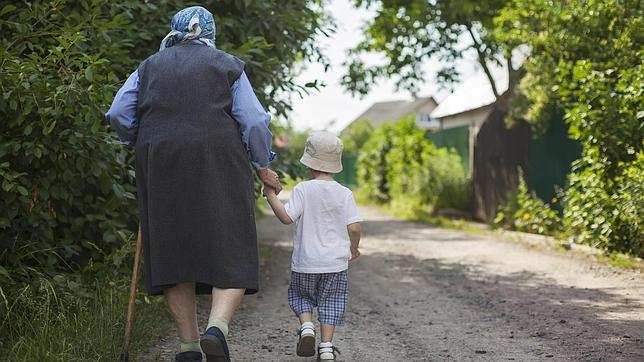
[327,291]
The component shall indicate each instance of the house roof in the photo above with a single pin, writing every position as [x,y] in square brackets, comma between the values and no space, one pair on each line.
[474,93]
[391,111]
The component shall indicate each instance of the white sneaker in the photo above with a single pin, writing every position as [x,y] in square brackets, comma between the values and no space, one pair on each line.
[306,343]
[327,351]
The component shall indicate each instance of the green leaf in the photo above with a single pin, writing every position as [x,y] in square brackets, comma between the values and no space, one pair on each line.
[89,73]
[4,272]
[49,128]
[7,9]
[4,223]
[23,191]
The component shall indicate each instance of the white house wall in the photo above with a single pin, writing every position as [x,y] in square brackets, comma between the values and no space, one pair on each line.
[474,118]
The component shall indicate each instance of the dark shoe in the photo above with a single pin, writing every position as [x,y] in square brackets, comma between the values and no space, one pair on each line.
[306,342]
[190,356]
[213,344]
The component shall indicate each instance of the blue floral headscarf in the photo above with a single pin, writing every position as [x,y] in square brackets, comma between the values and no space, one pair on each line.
[193,23]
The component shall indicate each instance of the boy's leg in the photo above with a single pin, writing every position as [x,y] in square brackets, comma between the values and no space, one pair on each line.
[301,299]
[301,295]
[333,295]
[305,317]
[327,332]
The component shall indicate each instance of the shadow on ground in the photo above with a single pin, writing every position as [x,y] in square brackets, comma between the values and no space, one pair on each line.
[427,309]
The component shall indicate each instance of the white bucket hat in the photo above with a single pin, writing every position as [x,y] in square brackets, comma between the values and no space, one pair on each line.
[323,152]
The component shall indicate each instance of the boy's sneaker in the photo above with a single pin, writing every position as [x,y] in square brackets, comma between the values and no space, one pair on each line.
[327,351]
[214,346]
[306,343]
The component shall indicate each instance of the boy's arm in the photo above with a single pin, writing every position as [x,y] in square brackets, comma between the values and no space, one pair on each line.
[277,206]
[354,230]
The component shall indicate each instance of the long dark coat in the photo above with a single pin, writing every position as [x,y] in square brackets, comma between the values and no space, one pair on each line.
[195,185]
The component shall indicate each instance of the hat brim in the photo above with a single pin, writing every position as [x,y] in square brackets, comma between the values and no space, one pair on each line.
[321,165]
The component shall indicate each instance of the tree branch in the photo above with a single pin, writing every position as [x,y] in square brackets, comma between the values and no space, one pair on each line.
[482,61]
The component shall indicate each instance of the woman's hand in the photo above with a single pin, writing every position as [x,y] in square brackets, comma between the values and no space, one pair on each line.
[270,179]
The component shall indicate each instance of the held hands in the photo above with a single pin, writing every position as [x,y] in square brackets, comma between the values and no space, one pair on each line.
[270,179]
[355,253]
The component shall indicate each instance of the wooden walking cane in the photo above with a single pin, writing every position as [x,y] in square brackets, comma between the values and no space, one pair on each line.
[130,304]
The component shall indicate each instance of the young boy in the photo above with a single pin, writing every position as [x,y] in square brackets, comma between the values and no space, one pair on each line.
[327,234]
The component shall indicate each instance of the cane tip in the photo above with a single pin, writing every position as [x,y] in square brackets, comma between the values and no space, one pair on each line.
[124,357]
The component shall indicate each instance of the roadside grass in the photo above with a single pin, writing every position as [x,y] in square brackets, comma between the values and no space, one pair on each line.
[42,323]
[76,316]
[455,224]
[620,260]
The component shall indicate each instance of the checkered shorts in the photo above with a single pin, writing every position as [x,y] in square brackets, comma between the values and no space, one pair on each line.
[328,292]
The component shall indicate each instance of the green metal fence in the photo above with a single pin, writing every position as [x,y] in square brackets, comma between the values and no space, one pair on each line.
[348,176]
[457,138]
[550,159]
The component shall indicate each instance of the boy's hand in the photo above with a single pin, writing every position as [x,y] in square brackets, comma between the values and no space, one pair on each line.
[355,254]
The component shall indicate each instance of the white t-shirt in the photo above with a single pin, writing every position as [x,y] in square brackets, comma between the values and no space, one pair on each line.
[321,211]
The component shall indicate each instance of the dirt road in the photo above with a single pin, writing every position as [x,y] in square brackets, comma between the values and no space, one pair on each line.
[420,293]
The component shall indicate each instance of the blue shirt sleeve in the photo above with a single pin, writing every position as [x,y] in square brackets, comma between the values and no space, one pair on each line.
[122,113]
[253,123]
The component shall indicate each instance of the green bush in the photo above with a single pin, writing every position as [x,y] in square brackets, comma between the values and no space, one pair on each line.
[524,211]
[630,205]
[66,187]
[590,211]
[355,135]
[398,165]
[372,165]
[606,212]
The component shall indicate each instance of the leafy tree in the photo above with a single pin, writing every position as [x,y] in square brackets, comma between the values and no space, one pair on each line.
[585,62]
[355,135]
[586,59]
[66,183]
[409,32]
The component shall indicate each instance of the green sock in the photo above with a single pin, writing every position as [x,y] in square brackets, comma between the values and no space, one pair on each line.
[220,323]
[189,346]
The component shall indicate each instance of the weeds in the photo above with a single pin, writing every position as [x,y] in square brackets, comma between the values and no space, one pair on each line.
[44,322]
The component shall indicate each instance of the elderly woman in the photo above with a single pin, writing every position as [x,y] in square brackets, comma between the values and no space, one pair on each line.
[195,123]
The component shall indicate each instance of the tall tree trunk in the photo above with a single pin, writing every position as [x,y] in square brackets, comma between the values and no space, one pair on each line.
[513,75]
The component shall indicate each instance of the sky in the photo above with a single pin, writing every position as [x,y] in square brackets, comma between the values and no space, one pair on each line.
[332,108]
